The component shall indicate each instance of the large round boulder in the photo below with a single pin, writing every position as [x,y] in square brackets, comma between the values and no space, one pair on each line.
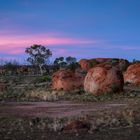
[103,79]
[67,80]
[132,74]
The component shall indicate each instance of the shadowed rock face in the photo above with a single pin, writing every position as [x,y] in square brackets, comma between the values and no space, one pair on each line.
[132,74]
[67,80]
[87,64]
[103,79]
[123,64]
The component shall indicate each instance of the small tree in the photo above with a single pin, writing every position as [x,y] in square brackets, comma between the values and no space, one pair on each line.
[70,60]
[39,56]
[135,61]
[60,62]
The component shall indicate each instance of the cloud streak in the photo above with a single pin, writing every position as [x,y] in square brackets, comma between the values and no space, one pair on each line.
[16,44]
[13,44]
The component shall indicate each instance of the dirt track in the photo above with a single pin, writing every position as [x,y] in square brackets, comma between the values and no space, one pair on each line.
[54,109]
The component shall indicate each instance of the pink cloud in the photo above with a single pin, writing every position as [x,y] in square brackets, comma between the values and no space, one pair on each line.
[43,40]
[17,51]
[16,44]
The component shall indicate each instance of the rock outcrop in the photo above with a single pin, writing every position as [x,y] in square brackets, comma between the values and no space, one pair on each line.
[87,64]
[103,79]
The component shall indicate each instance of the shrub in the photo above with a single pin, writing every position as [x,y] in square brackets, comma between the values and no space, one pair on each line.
[42,79]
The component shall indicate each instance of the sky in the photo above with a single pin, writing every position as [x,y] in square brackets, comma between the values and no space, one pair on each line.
[77,28]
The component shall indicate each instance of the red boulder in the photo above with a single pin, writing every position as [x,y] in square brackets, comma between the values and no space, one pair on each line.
[103,79]
[67,80]
[132,74]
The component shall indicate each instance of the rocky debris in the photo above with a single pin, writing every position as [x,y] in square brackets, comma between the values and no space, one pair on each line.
[132,74]
[67,80]
[103,79]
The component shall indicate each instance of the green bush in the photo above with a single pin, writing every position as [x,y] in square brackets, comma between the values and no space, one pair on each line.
[42,79]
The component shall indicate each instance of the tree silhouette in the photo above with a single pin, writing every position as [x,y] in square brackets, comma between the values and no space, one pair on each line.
[70,60]
[38,55]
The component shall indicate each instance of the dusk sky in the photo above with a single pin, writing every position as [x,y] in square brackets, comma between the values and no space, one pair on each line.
[78,28]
